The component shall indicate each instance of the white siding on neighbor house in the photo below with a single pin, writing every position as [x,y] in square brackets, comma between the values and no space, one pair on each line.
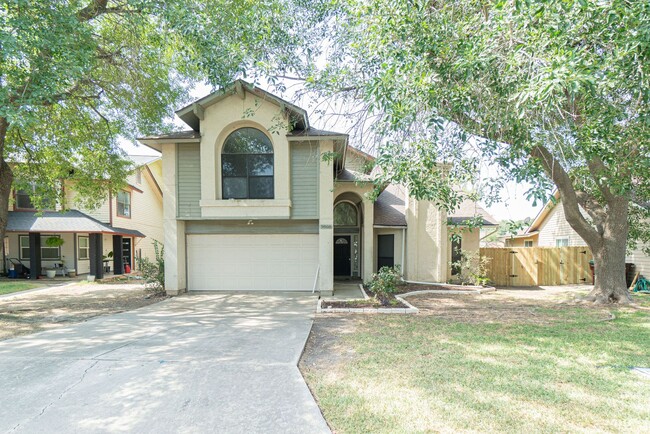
[641,261]
[146,217]
[102,213]
[67,250]
[555,226]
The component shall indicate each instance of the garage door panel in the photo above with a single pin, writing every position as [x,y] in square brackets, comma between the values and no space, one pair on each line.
[252,262]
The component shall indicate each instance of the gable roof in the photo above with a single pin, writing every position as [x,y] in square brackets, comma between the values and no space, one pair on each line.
[389,207]
[543,213]
[58,222]
[468,210]
[193,113]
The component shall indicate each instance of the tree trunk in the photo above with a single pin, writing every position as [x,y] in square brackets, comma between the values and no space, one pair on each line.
[609,263]
[609,249]
[6,179]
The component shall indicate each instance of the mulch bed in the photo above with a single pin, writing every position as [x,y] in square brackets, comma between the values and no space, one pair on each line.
[410,287]
[390,301]
[372,302]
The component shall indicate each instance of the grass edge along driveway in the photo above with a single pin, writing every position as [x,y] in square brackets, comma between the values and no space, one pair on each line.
[568,370]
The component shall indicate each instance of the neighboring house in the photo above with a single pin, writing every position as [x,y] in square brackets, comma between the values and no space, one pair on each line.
[250,203]
[126,225]
[551,229]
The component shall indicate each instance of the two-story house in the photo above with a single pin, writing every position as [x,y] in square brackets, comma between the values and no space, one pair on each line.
[90,241]
[254,198]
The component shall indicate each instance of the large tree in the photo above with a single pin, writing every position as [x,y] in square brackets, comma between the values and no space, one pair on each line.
[76,76]
[554,92]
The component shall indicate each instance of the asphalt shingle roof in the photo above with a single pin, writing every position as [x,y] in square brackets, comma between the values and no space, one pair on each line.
[389,207]
[69,221]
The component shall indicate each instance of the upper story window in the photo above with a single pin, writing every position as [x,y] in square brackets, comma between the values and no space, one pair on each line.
[345,214]
[24,200]
[124,203]
[247,165]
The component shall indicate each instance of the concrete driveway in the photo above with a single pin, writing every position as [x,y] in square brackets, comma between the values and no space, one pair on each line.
[198,363]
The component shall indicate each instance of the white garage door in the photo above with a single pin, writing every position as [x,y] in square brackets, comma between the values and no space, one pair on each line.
[252,262]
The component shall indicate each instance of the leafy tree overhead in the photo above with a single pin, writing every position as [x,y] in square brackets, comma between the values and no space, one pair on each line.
[556,92]
[78,75]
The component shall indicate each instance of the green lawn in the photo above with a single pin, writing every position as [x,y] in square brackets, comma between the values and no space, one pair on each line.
[7,287]
[426,374]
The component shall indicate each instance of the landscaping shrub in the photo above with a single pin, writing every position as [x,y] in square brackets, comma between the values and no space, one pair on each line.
[153,273]
[471,268]
[385,282]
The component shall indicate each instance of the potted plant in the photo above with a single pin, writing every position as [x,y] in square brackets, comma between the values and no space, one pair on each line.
[54,242]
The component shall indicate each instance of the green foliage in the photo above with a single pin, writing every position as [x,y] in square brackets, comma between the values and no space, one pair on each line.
[153,272]
[54,242]
[455,86]
[471,268]
[78,76]
[385,282]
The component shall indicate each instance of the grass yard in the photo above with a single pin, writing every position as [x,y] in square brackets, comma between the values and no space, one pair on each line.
[489,363]
[7,287]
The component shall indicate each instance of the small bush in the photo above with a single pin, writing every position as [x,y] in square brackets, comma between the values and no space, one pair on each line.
[472,268]
[385,282]
[153,273]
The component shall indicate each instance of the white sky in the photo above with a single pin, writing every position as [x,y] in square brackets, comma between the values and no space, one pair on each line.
[513,205]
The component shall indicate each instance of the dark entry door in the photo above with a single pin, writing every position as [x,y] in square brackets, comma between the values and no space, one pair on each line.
[126,251]
[385,251]
[342,256]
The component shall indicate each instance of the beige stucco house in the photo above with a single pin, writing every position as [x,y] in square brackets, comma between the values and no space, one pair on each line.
[551,229]
[254,198]
[125,225]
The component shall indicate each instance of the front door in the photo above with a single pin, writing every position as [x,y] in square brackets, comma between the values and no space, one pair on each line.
[126,251]
[342,255]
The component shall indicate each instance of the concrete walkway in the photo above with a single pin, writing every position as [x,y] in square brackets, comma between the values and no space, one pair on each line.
[199,363]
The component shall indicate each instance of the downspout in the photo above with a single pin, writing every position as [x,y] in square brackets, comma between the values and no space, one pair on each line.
[403,249]
[110,209]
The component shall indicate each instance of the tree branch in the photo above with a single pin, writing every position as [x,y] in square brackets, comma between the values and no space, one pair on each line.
[569,198]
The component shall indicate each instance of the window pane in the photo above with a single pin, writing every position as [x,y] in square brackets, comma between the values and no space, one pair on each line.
[83,242]
[123,197]
[234,188]
[24,242]
[261,187]
[260,165]
[233,165]
[23,200]
[49,253]
[247,141]
[345,214]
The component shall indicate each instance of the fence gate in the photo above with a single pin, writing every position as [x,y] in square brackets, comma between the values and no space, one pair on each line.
[534,266]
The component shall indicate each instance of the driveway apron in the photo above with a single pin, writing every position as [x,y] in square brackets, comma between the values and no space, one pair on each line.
[213,362]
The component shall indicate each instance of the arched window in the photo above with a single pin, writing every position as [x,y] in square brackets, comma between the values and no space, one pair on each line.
[345,214]
[247,165]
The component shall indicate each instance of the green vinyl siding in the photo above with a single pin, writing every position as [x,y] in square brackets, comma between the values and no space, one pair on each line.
[188,180]
[304,180]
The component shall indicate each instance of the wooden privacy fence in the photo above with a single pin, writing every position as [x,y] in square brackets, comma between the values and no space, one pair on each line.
[534,266]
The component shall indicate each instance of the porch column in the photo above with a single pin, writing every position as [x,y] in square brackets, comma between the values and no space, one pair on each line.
[118,261]
[326,221]
[95,242]
[34,255]
[368,240]
[173,229]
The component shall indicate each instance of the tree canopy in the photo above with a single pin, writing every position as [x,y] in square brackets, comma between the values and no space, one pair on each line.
[76,76]
[555,92]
